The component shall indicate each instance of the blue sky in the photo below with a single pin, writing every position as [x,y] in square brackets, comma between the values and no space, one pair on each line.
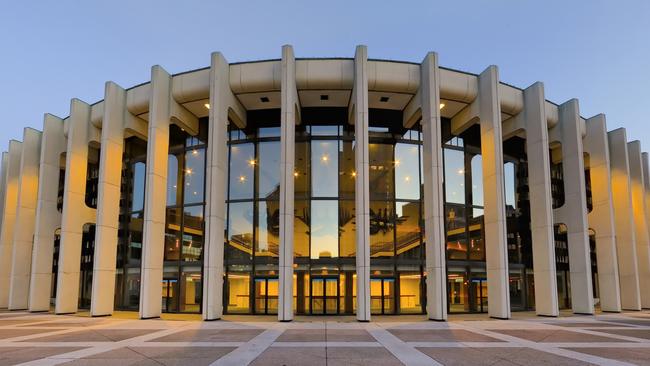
[596,51]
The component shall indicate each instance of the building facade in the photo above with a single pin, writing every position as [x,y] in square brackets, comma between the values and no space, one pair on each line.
[324,186]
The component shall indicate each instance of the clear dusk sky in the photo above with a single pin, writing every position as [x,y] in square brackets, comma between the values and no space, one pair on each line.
[596,51]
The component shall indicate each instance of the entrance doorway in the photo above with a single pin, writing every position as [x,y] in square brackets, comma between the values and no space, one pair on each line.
[382,296]
[266,295]
[324,295]
[479,295]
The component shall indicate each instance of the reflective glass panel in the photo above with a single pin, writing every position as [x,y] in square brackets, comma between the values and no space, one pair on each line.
[172,234]
[347,229]
[172,180]
[268,229]
[191,290]
[301,229]
[347,170]
[301,171]
[324,229]
[240,230]
[139,172]
[194,176]
[382,229]
[242,164]
[268,132]
[192,233]
[456,232]
[238,292]
[477,180]
[324,168]
[324,130]
[510,183]
[454,176]
[269,170]
[407,169]
[408,229]
[381,171]
[409,293]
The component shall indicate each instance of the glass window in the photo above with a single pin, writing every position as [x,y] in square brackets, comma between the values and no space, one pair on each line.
[381,229]
[240,230]
[194,176]
[408,229]
[324,168]
[301,229]
[242,164]
[324,229]
[324,130]
[135,239]
[191,290]
[347,170]
[139,172]
[407,177]
[268,229]
[301,171]
[381,171]
[454,176]
[347,229]
[172,179]
[476,243]
[510,184]
[238,292]
[172,234]
[268,132]
[269,170]
[409,297]
[477,180]
[456,232]
[192,233]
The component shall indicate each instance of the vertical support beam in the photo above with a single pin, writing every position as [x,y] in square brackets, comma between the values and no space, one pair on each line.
[362,194]
[628,272]
[288,94]
[640,221]
[75,211]
[48,217]
[12,180]
[541,204]
[156,193]
[216,183]
[108,200]
[25,220]
[575,206]
[645,160]
[601,218]
[3,183]
[433,193]
[494,194]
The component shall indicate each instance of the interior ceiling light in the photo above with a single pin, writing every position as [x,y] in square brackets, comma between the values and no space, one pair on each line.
[442,105]
[383,99]
[264,99]
[324,97]
[207,105]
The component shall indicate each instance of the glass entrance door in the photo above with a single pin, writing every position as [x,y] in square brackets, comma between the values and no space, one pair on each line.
[324,295]
[479,295]
[266,295]
[382,296]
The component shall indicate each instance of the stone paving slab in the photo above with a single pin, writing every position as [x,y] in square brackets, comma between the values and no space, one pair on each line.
[553,336]
[497,356]
[156,356]
[440,335]
[636,333]
[16,355]
[587,324]
[637,356]
[19,332]
[94,335]
[211,335]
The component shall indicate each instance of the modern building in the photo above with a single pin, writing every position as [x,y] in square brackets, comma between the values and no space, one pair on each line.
[325,186]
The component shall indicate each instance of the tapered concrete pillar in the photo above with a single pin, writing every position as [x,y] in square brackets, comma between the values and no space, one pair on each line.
[575,208]
[75,211]
[289,100]
[12,180]
[362,195]
[434,200]
[645,161]
[215,193]
[541,204]
[21,259]
[496,250]
[155,202]
[48,217]
[640,221]
[628,272]
[601,218]
[108,200]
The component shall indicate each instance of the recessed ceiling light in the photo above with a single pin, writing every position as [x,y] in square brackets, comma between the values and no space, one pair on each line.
[207,105]
[324,97]
[442,105]
[264,99]
[383,99]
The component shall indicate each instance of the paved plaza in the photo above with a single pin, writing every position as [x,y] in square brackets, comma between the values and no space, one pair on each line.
[605,339]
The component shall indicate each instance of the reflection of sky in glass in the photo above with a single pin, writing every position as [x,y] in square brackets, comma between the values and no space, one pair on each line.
[477,180]
[172,179]
[324,168]
[407,178]
[242,163]
[194,171]
[509,181]
[138,187]
[324,229]
[240,219]
[269,169]
[454,176]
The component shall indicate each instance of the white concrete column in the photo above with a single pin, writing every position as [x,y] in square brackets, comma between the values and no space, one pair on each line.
[48,217]
[289,100]
[215,193]
[155,194]
[640,221]
[75,211]
[108,200]
[3,182]
[601,218]
[25,220]
[645,160]
[541,204]
[12,180]
[434,199]
[496,250]
[575,208]
[628,272]
[362,195]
